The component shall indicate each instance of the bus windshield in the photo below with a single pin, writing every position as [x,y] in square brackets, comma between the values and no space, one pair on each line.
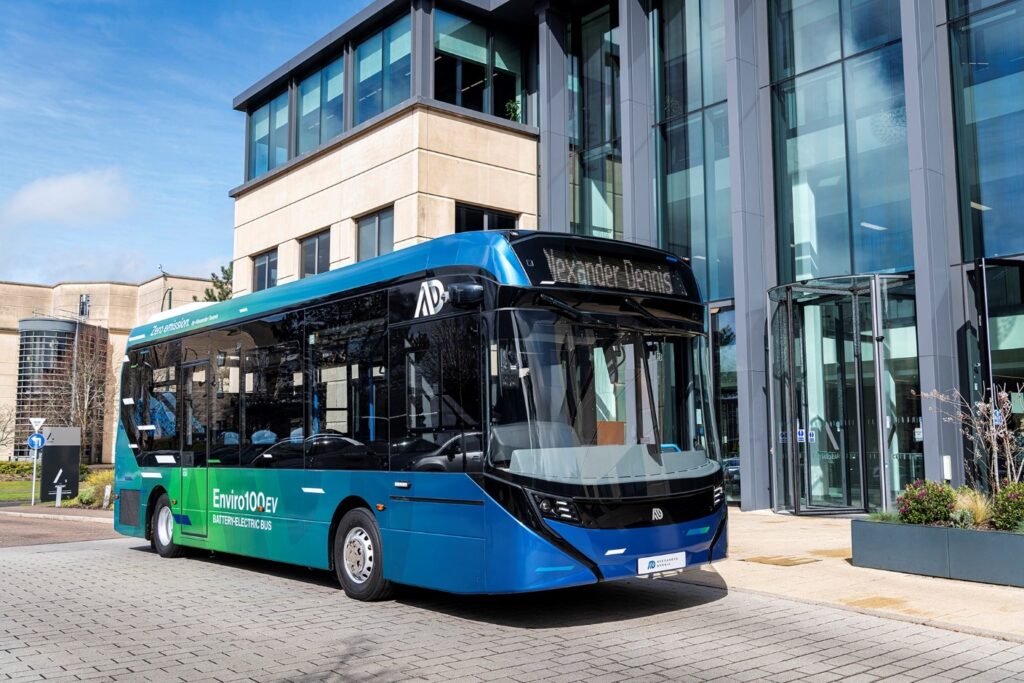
[578,402]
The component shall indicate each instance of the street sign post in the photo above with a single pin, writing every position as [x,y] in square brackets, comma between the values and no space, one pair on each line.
[36,442]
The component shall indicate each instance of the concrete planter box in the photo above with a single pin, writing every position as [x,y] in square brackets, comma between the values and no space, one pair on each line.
[966,554]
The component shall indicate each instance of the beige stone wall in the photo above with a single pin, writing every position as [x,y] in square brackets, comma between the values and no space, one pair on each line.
[118,307]
[421,162]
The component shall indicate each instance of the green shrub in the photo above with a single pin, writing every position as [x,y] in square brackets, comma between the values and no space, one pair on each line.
[926,502]
[16,469]
[962,519]
[1020,528]
[886,516]
[90,492]
[1008,507]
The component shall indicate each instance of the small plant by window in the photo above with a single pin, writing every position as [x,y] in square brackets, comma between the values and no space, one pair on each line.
[512,110]
[885,516]
[1008,507]
[975,502]
[926,502]
[962,519]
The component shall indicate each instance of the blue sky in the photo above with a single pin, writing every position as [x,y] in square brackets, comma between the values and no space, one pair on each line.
[118,143]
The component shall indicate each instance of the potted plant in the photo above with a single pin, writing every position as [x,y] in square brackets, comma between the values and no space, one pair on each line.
[964,533]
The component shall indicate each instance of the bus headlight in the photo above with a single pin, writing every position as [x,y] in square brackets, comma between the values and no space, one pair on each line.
[557,508]
[719,495]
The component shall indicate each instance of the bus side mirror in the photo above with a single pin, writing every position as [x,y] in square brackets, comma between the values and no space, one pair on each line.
[465,294]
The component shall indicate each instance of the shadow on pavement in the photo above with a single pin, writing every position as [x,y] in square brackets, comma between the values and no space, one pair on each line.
[580,606]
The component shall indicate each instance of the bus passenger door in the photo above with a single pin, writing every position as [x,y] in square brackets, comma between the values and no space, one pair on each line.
[195,400]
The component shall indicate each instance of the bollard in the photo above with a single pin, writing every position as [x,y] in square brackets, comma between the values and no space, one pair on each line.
[106,496]
[60,491]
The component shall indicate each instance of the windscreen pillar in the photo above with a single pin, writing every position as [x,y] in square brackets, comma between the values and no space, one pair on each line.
[553,120]
[934,223]
[753,235]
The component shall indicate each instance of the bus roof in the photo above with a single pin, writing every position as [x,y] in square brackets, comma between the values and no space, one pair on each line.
[489,251]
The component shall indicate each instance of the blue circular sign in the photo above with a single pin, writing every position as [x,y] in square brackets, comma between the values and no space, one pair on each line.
[36,441]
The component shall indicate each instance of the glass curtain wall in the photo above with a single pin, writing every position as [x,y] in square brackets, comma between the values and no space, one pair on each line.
[321,106]
[268,136]
[693,139]
[383,69]
[595,144]
[841,166]
[475,68]
[987,52]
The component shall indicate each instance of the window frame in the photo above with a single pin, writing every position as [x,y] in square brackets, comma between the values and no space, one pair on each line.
[320,240]
[268,254]
[489,215]
[376,216]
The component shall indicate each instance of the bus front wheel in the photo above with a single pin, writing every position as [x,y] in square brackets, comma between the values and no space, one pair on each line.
[358,557]
[162,537]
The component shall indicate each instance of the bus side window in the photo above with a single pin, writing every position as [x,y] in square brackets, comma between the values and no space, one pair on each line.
[225,401]
[272,382]
[348,385]
[150,412]
[436,394]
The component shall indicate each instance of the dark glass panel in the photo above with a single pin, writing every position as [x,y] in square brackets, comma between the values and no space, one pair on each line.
[398,44]
[804,34]
[869,23]
[259,141]
[680,63]
[988,80]
[332,109]
[386,231]
[225,399]
[810,171]
[506,80]
[879,169]
[469,218]
[712,38]
[323,252]
[717,196]
[279,130]
[310,96]
[369,78]
[726,397]
[683,218]
[273,431]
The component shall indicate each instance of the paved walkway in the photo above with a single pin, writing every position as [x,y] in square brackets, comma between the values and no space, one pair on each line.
[807,558]
[114,610]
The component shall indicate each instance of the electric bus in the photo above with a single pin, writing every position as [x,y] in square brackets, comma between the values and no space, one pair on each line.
[487,412]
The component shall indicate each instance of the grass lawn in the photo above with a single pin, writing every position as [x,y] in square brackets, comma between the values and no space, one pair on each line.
[15,491]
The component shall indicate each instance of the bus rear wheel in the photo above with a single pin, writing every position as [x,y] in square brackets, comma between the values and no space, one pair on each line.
[358,557]
[162,536]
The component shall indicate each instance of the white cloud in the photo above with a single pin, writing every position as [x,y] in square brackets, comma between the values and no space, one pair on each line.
[75,199]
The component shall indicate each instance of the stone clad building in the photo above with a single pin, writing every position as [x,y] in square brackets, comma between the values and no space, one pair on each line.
[39,324]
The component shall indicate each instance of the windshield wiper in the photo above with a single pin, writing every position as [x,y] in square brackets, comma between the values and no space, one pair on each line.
[573,313]
[642,310]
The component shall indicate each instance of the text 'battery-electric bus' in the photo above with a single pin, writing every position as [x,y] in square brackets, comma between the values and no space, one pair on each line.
[488,412]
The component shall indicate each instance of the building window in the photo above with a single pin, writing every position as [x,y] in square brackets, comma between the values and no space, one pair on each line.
[988,91]
[316,254]
[376,234]
[268,136]
[595,145]
[841,165]
[264,273]
[321,106]
[468,218]
[692,147]
[383,68]
[726,396]
[475,68]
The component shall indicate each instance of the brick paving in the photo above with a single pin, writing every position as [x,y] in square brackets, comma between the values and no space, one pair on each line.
[112,610]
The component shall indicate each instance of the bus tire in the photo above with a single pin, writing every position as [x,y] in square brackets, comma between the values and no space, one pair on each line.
[358,557]
[162,537]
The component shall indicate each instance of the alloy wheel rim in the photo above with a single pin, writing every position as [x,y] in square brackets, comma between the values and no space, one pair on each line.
[164,526]
[358,555]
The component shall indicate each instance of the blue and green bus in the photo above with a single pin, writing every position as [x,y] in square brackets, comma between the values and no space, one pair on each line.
[488,412]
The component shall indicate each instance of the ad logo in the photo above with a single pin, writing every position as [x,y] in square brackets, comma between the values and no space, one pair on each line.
[431,299]
[652,564]
[657,515]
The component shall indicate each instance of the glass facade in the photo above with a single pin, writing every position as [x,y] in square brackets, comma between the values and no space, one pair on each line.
[987,53]
[725,388]
[841,165]
[321,106]
[383,69]
[476,68]
[595,145]
[693,183]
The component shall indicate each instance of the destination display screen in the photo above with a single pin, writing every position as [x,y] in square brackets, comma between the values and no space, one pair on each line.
[556,261]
